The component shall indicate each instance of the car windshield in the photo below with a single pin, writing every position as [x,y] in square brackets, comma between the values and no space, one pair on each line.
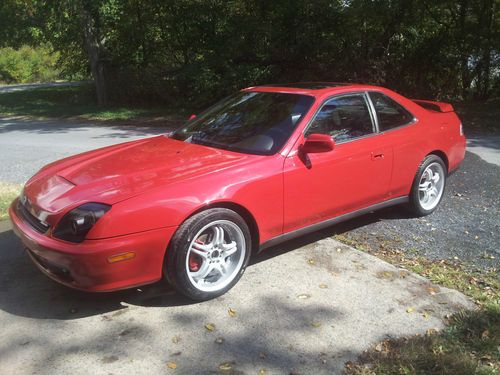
[249,122]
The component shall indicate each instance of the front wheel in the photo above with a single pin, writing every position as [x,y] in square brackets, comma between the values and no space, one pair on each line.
[208,254]
[428,186]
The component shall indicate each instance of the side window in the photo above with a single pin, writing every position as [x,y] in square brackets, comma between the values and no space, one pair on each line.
[343,118]
[390,114]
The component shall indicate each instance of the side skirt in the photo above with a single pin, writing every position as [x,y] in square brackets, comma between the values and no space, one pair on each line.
[330,222]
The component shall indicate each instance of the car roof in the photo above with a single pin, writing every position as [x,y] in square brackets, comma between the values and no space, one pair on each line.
[312,88]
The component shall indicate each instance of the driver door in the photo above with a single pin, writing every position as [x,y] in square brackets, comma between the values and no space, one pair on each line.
[354,175]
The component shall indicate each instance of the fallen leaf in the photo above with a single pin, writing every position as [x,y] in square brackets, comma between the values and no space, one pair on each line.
[311,261]
[485,334]
[231,312]
[262,372]
[432,291]
[226,366]
[323,286]
[431,331]
[316,324]
[339,250]
[385,275]
[210,327]
[410,310]
[172,365]
[303,296]
[382,347]
[219,340]
[176,339]
[425,315]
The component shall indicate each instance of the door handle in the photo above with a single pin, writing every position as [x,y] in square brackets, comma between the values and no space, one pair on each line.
[377,155]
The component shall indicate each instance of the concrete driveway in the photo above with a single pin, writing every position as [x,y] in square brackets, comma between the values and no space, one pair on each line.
[305,307]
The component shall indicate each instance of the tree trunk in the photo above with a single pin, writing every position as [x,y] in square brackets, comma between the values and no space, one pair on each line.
[95,51]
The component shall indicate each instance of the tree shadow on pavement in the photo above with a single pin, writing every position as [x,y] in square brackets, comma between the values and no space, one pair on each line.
[27,292]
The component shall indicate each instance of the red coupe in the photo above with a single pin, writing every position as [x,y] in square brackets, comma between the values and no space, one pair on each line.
[260,167]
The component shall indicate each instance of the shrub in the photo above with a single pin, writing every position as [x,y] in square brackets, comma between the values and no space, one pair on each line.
[28,64]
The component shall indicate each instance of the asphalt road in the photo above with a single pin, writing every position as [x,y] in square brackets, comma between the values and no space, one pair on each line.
[27,145]
[31,86]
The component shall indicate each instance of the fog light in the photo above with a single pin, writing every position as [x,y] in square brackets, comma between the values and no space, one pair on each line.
[120,257]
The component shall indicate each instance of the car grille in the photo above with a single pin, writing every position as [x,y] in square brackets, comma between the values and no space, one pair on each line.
[33,221]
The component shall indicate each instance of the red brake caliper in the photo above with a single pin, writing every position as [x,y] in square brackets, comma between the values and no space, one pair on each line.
[195,260]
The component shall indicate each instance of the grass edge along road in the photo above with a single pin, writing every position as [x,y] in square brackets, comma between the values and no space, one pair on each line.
[470,344]
[8,192]
[77,102]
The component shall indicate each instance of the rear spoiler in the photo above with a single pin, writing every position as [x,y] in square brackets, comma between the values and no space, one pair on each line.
[434,106]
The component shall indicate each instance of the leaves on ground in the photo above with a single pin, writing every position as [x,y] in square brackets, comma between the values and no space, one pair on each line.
[172,365]
[231,312]
[226,366]
[304,296]
[210,327]
[176,339]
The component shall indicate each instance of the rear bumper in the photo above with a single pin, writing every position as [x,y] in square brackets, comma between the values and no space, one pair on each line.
[456,154]
[85,265]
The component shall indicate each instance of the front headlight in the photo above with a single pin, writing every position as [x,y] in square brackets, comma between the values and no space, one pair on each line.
[75,225]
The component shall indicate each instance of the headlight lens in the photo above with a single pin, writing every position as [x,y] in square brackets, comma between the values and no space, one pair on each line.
[75,225]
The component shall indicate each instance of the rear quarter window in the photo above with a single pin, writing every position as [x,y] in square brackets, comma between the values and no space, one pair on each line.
[389,113]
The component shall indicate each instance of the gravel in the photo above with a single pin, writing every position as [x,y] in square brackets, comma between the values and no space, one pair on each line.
[466,225]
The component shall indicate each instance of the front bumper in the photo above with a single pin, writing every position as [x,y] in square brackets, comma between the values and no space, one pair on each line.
[85,265]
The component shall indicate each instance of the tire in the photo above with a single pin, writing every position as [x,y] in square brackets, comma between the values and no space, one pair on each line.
[427,189]
[208,254]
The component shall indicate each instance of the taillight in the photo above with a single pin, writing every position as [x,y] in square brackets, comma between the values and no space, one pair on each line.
[461,129]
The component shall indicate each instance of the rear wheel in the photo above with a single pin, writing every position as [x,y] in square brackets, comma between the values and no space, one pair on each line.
[428,186]
[208,254]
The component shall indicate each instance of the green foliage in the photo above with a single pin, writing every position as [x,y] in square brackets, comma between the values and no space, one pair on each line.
[8,192]
[28,64]
[199,50]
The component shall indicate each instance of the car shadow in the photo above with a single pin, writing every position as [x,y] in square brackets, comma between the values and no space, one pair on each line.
[28,293]
[390,213]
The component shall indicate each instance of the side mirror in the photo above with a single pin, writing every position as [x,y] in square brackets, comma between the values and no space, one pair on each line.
[193,116]
[316,143]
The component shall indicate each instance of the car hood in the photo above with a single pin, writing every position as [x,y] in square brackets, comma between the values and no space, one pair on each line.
[119,172]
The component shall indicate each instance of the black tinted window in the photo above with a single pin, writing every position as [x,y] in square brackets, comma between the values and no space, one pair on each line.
[250,122]
[343,118]
[390,114]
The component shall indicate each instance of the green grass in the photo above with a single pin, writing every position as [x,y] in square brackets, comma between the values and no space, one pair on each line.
[8,193]
[470,342]
[71,102]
